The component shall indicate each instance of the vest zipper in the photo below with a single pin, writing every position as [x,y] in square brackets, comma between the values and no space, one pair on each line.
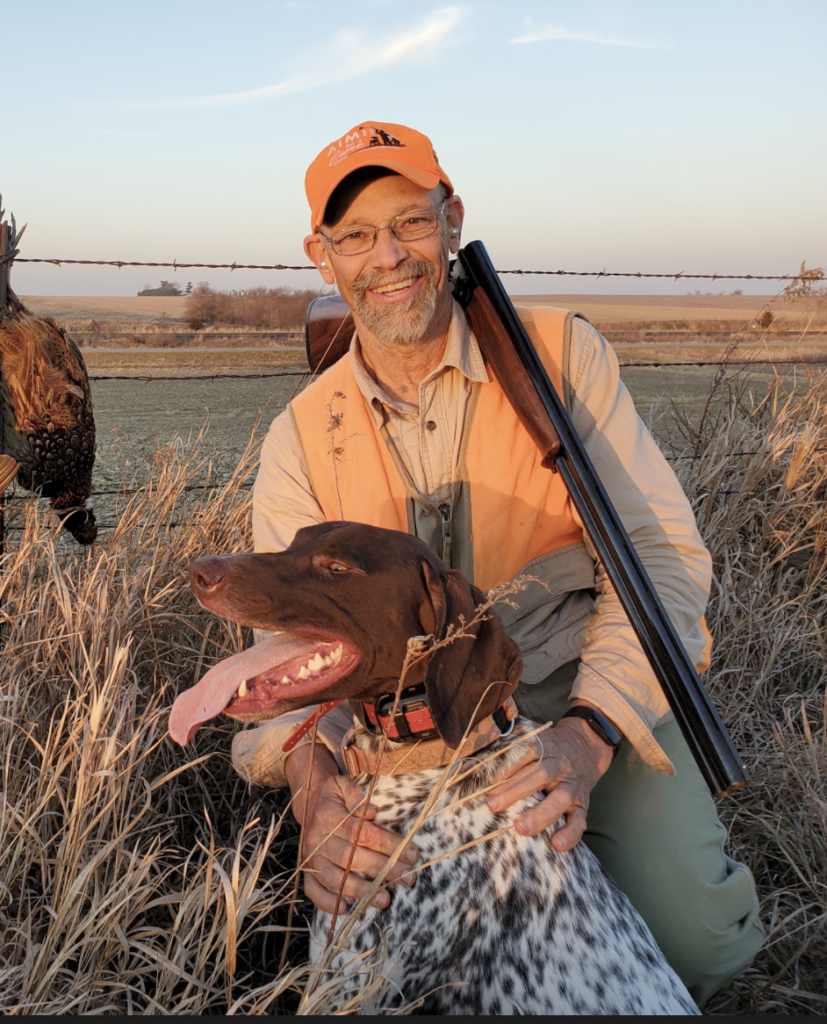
[445,514]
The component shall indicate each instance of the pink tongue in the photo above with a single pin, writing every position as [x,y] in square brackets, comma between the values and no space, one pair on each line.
[209,697]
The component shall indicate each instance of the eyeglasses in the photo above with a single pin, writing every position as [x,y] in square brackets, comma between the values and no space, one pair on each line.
[407,227]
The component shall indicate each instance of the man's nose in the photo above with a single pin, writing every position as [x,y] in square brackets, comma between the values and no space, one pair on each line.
[388,252]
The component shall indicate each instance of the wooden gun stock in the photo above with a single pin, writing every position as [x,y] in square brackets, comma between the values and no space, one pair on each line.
[513,359]
[327,331]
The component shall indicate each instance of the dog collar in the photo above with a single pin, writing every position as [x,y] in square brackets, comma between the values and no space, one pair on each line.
[419,754]
[411,722]
[318,712]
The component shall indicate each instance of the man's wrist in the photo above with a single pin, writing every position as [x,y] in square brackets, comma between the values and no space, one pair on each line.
[297,768]
[601,752]
[600,724]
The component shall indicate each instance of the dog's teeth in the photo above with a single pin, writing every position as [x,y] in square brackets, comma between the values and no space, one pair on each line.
[327,661]
[303,672]
[242,690]
[316,662]
[336,656]
[286,680]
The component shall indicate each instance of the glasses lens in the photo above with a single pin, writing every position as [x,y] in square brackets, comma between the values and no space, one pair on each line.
[407,227]
[352,241]
[418,224]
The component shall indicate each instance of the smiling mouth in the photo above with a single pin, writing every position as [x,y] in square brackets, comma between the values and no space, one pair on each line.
[397,286]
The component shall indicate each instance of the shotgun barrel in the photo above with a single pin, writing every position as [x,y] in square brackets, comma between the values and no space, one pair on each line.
[513,359]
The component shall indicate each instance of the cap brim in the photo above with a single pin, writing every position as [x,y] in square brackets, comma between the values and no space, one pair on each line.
[419,176]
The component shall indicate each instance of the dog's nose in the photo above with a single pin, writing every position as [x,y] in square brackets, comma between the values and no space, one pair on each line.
[207,575]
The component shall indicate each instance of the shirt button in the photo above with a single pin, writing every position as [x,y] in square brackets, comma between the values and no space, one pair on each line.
[430,425]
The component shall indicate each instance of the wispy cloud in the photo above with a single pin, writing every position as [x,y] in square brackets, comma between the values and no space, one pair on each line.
[349,54]
[558,34]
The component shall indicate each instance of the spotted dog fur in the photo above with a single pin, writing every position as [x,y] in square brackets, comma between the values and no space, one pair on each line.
[506,926]
[509,926]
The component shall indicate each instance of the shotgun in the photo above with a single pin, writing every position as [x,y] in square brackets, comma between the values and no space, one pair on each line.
[511,356]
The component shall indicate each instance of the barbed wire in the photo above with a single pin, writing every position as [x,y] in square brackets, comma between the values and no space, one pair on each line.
[177,265]
[201,376]
[151,379]
[800,361]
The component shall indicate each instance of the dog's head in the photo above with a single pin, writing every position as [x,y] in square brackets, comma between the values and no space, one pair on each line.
[345,599]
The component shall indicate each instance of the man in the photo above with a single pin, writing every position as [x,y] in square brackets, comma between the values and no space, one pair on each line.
[411,431]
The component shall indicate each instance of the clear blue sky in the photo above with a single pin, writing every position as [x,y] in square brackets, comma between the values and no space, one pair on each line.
[640,135]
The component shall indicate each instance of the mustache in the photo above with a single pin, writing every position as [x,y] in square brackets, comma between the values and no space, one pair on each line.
[377,278]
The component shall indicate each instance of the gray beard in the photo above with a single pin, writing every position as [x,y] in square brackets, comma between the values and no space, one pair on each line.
[404,323]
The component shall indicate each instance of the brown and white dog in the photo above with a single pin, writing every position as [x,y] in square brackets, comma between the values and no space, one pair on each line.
[505,925]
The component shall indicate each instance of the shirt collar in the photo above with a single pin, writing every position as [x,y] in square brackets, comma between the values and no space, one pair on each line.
[461,353]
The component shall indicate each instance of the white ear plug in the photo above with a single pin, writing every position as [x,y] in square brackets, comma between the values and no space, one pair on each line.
[454,231]
[322,264]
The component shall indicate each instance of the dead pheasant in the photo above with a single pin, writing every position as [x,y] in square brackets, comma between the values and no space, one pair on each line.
[48,439]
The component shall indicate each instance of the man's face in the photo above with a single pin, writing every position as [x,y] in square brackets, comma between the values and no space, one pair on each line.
[398,291]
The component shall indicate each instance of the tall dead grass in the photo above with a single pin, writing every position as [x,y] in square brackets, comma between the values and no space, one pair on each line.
[757,473]
[136,878]
[133,878]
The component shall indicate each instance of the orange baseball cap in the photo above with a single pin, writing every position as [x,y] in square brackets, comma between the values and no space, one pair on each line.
[371,144]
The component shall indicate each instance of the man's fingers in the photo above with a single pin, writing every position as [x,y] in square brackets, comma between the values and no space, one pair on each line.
[355,798]
[322,885]
[532,777]
[571,833]
[548,812]
[320,897]
[353,887]
[340,853]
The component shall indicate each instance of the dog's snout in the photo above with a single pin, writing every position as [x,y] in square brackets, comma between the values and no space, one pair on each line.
[207,575]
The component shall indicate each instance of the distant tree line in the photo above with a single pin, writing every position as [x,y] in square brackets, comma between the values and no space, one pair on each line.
[166,289]
[263,308]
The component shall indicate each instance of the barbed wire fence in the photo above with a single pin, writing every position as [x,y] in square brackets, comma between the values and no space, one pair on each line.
[804,275]
[801,284]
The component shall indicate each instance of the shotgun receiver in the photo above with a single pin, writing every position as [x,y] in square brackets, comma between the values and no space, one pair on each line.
[513,359]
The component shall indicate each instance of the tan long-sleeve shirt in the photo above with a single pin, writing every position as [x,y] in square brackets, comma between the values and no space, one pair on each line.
[614,673]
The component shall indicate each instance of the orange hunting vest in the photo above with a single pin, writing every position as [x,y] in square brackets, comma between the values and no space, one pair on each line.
[519,510]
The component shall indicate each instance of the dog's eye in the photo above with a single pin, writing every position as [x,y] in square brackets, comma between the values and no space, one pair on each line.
[327,563]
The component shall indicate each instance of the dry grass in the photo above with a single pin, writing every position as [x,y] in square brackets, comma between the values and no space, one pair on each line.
[757,472]
[137,878]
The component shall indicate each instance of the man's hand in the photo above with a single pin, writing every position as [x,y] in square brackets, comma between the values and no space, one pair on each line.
[566,762]
[331,813]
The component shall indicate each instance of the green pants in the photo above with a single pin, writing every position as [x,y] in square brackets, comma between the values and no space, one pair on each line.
[659,837]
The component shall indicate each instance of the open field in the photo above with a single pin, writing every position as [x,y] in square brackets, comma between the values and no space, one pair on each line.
[689,328]
[620,309]
[134,416]
[107,307]
[599,308]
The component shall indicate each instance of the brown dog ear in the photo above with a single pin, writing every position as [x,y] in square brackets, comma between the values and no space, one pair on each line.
[470,677]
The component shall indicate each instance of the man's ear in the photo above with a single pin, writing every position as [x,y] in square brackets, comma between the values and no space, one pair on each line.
[454,215]
[316,252]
